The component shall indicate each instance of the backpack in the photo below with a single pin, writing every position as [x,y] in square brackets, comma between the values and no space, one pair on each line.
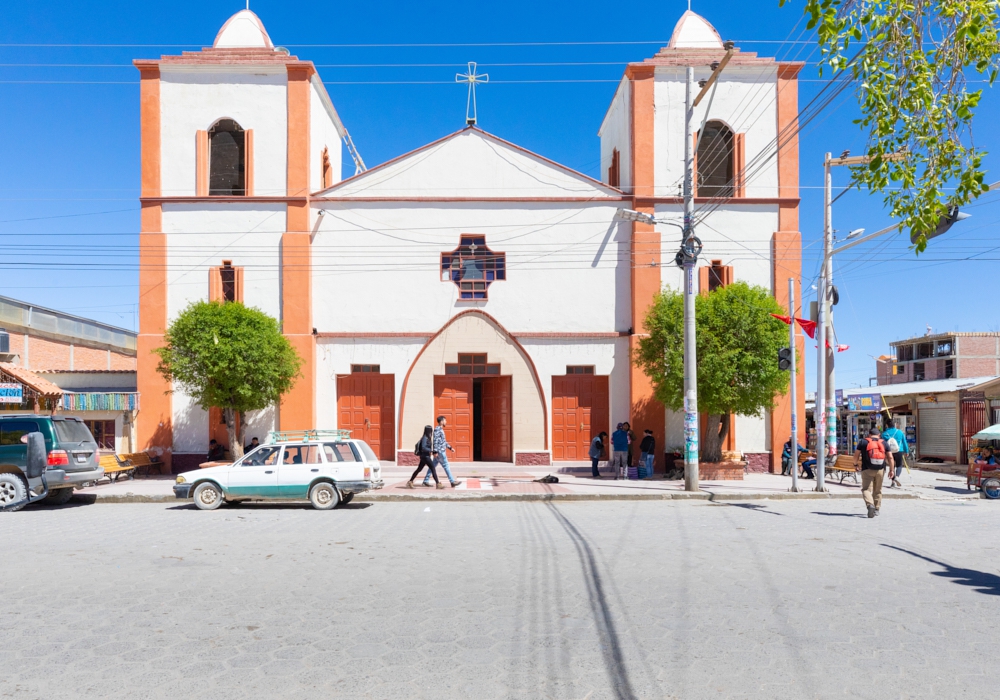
[416,448]
[876,452]
[893,445]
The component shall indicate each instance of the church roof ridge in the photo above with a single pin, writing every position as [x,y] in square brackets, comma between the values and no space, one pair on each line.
[447,137]
[244,29]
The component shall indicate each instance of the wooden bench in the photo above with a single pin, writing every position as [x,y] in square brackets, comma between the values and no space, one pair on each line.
[114,470]
[141,461]
[843,468]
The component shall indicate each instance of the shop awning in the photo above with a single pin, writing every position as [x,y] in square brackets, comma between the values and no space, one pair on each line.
[42,387]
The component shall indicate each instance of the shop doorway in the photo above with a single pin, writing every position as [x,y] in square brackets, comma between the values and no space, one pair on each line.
[478,410]
[580,409]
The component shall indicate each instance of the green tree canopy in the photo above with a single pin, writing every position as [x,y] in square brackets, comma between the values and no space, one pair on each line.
[229,356]
[910,69]
[738,342]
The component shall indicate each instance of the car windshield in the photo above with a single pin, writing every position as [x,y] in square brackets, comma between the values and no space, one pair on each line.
[72,431]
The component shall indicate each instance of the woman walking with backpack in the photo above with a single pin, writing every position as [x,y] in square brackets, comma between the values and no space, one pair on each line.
[425,449]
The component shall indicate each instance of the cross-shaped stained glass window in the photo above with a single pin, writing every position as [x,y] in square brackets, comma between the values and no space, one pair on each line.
[473,267]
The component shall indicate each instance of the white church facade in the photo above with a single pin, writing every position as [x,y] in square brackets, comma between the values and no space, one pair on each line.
[470,277]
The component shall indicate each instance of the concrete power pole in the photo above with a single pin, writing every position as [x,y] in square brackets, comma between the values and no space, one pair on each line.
[688,257]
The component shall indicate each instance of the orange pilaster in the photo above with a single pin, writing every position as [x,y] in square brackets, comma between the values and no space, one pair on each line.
[298,406]
[786,252]
[154,422]
[645,411]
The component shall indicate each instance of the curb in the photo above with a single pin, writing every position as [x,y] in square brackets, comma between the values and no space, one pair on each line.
[541,497]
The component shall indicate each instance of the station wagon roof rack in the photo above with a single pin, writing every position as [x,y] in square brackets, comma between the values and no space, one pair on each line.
[306,435]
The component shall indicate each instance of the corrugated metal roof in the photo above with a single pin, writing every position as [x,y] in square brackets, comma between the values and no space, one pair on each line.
[932,386]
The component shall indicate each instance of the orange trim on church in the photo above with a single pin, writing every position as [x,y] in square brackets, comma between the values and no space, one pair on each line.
[201,163]
[298,406]
[786,249]
[645,254]
[154,423]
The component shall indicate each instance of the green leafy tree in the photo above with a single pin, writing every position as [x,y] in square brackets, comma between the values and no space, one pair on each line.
[229,356]
[910,68]
[738,342]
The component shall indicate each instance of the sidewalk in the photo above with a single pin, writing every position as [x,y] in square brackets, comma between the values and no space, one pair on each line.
[506,482]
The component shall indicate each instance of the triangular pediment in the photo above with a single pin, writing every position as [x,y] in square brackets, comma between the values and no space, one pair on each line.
[470,164]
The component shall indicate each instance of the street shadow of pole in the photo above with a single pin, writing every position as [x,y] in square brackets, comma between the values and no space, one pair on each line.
[981,581]
[611,650]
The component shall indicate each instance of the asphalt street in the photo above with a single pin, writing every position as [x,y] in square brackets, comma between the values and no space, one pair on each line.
[769,599]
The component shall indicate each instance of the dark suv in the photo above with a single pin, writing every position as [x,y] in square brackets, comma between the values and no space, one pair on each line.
[73,457]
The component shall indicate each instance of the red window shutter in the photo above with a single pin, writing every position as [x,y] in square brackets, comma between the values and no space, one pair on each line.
[214,284]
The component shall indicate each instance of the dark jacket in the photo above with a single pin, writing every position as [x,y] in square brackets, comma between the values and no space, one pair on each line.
[648,445]
[426,447]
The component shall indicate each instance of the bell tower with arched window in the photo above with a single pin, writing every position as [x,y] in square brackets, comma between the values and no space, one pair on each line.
[236,138]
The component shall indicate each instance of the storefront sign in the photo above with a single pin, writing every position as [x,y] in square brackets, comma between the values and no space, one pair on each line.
[11,393]
[864,403]
[839,397]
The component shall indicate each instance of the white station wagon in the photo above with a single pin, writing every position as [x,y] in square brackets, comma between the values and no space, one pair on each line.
[325,466]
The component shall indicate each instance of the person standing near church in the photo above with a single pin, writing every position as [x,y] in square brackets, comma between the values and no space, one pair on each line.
[596,450]
[441,446]
[648,449]
[619,454]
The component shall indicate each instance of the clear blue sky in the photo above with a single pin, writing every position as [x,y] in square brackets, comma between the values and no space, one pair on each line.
[69,147]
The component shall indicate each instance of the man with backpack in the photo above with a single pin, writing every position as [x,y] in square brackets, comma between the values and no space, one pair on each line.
[896,440]
[871,458]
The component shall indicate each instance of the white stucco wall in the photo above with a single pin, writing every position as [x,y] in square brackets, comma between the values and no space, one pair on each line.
[334,356]
[745,100]
[616,132]
[193,99]
[323,133]
[739,235]
[376,266]
[609,357]
[190,423]
[200,236]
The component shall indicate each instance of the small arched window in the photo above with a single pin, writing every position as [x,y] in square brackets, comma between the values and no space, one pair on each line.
[715,162]
[227,159]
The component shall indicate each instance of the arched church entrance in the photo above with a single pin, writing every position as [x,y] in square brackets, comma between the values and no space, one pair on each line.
[479,377]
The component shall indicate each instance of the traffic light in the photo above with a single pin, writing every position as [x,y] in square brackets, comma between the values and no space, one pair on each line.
[785,359]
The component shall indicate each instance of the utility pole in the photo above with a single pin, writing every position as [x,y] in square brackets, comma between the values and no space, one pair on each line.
[792,370]
[822,294]
[688,259]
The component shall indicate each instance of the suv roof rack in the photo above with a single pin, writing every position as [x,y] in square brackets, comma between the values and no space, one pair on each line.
[305,435]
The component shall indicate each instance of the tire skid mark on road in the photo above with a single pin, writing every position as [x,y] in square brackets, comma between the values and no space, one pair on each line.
[611,648]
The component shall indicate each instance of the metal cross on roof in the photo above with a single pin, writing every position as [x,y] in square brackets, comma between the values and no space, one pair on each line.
[472,78]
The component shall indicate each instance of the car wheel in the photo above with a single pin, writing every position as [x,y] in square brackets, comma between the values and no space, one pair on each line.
[12,490]
[323,496]
[58,497]
[991,488]
[347,498]
[208,496]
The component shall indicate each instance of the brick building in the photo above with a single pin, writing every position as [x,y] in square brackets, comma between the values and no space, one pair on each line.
[71,365]
[940,356]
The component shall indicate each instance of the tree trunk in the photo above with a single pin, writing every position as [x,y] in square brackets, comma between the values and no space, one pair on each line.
[235,444]
[241,433]
[711,448]
[724,430]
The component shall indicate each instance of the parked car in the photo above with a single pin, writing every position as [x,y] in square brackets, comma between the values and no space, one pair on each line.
[325,467]
[72,455]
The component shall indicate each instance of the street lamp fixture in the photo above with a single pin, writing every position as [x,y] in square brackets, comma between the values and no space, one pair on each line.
[855,233]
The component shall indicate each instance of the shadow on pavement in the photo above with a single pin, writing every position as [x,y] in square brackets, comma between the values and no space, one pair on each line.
[756,508]
[614,661]
[273,506]
[983,582]
[76,501]
[841,515]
